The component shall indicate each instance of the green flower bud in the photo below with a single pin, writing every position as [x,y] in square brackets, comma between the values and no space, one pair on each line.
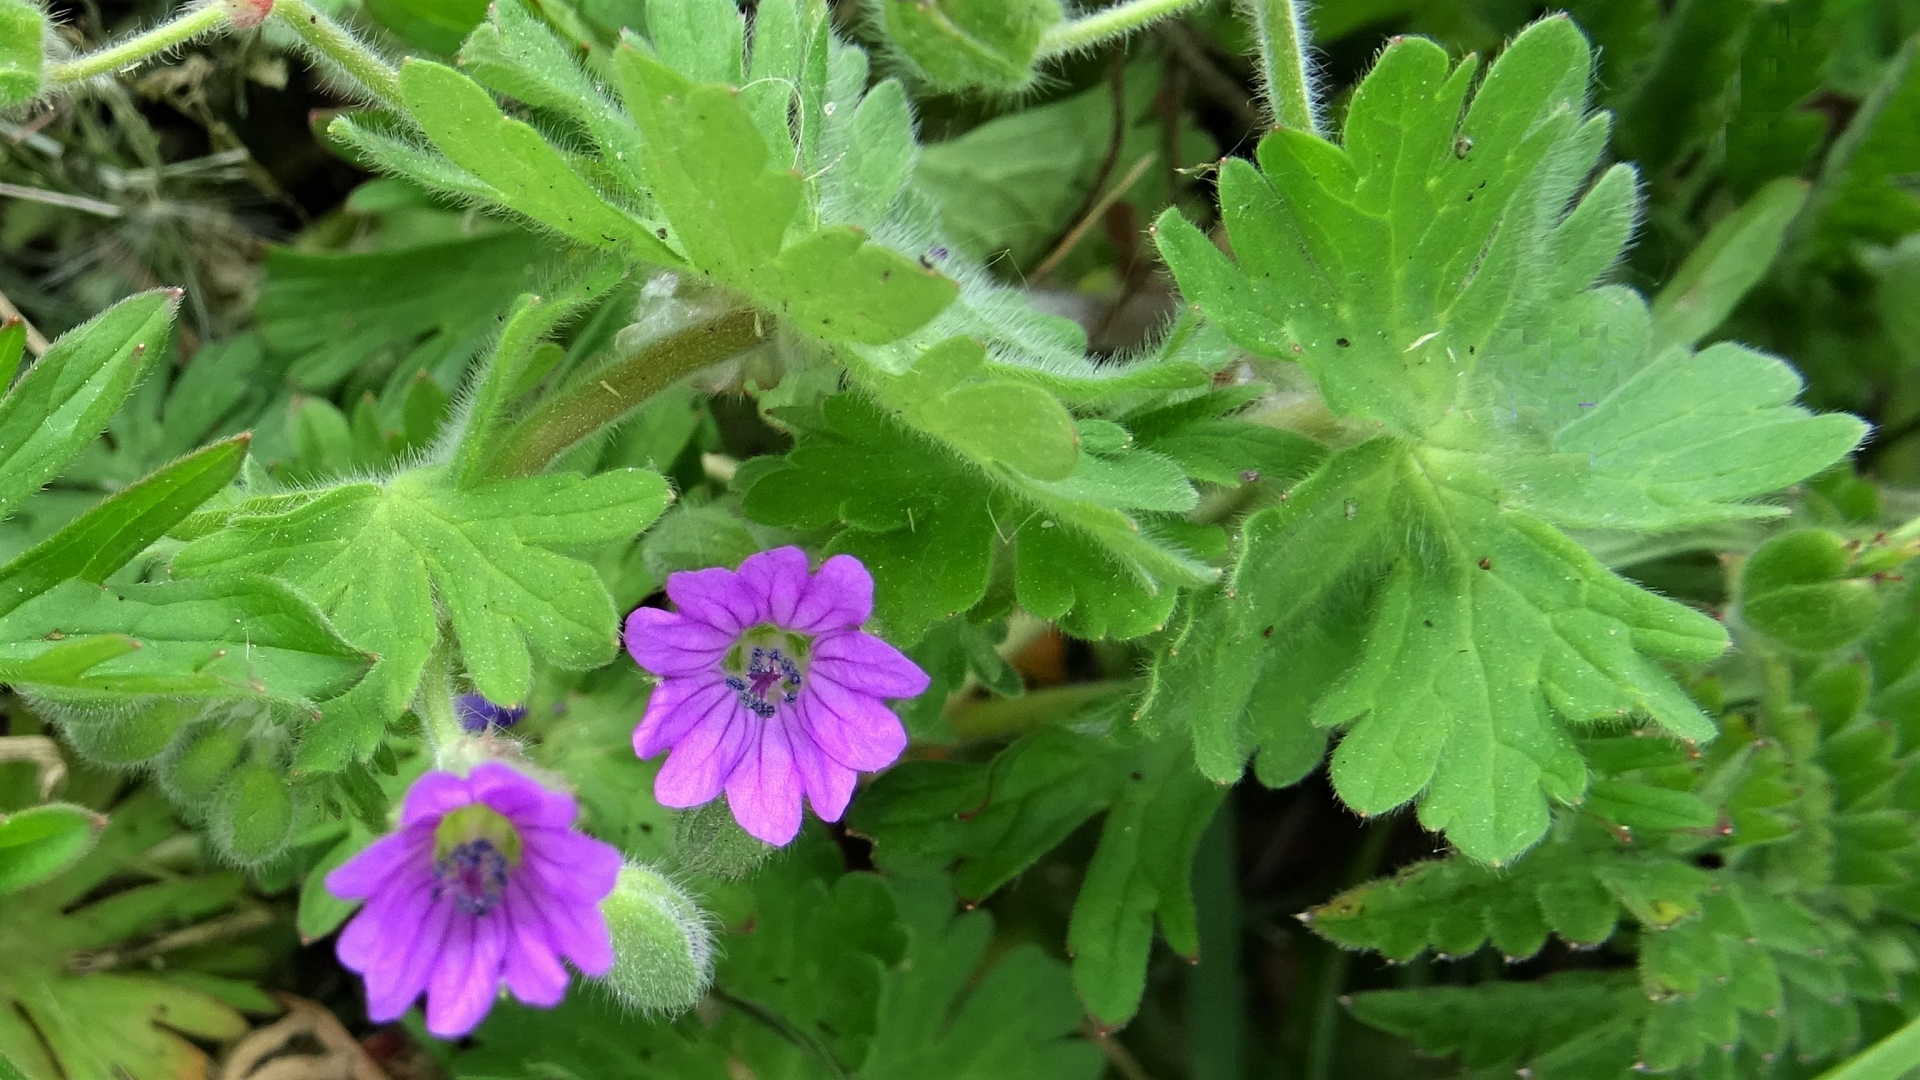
[662,943]
[125,739]
[969,44]
[255,819]
[204,761]
[708,841]
[1797,590]
[21,59]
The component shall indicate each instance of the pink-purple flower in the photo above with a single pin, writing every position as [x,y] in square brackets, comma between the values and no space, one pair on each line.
[769,689]
[485,882]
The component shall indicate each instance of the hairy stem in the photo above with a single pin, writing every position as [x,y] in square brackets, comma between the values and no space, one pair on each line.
[434,701]
[618,389]
[184,27]
[1286,75]
[1106,24]
[347,54]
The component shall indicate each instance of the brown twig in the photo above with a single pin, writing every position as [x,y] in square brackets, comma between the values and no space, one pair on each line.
[1094,213]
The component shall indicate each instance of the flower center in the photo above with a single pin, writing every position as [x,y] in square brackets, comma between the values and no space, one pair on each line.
[766,669]
[473,850]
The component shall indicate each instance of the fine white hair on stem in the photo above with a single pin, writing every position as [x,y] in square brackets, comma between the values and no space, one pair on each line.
[1289,78]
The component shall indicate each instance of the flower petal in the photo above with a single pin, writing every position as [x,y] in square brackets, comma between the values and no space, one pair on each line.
[829,784]
[520,798]
[779,578]
[854,729]
[467,978]
[840,595]
[764,790]
[432,796]
[376,866]
[579,933]
[572,864]
[677,707]
[699,764]
[716,597]
[533,969]
[669,643]
[400,976]
[866,665]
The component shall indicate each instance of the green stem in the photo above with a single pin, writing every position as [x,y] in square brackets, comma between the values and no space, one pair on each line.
[614,391]
[347,54]
[1325,1037]
[1216,992]
[1280,30]
[1891,1058]
[1120,20]
[434,703]
[185,27]
[993,717]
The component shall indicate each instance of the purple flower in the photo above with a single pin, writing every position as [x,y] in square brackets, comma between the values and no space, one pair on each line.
[769,689]
[477,714]
[485,881]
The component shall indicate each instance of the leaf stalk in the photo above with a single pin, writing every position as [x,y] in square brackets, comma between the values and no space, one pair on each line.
[347,54]
[184,27]
[1075,35]
[602,399]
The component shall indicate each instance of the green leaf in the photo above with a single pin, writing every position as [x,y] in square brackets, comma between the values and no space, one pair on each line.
[926,525]
[1140,876]
[993,820]
[433,305]
[41,841]
[1859,195]
[941,1016]
[377,558]
[111,534]
[120,1020]
[1684,441]
[527,174]
[1682,98]
[1387,266]
[971,44]
[730,206]
[1487,623]
[818,956]
[69,394]
[1732,259]
[224,636]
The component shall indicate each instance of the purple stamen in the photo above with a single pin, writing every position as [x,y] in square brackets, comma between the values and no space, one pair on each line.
[768,671]
[474,874]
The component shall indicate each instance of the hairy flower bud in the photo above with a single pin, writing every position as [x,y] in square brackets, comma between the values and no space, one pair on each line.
[708,841]
[202,762]
[662,944]
[125,738]
[254,821]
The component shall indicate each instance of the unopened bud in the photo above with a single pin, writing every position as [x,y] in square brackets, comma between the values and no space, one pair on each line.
[662,943]
[255,818]
[708,841]
[203,762]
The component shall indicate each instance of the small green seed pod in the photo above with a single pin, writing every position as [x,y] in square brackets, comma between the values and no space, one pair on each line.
[662,944]
[205,761]
[255,819]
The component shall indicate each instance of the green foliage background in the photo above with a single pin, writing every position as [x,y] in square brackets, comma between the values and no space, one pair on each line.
[1417,588]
